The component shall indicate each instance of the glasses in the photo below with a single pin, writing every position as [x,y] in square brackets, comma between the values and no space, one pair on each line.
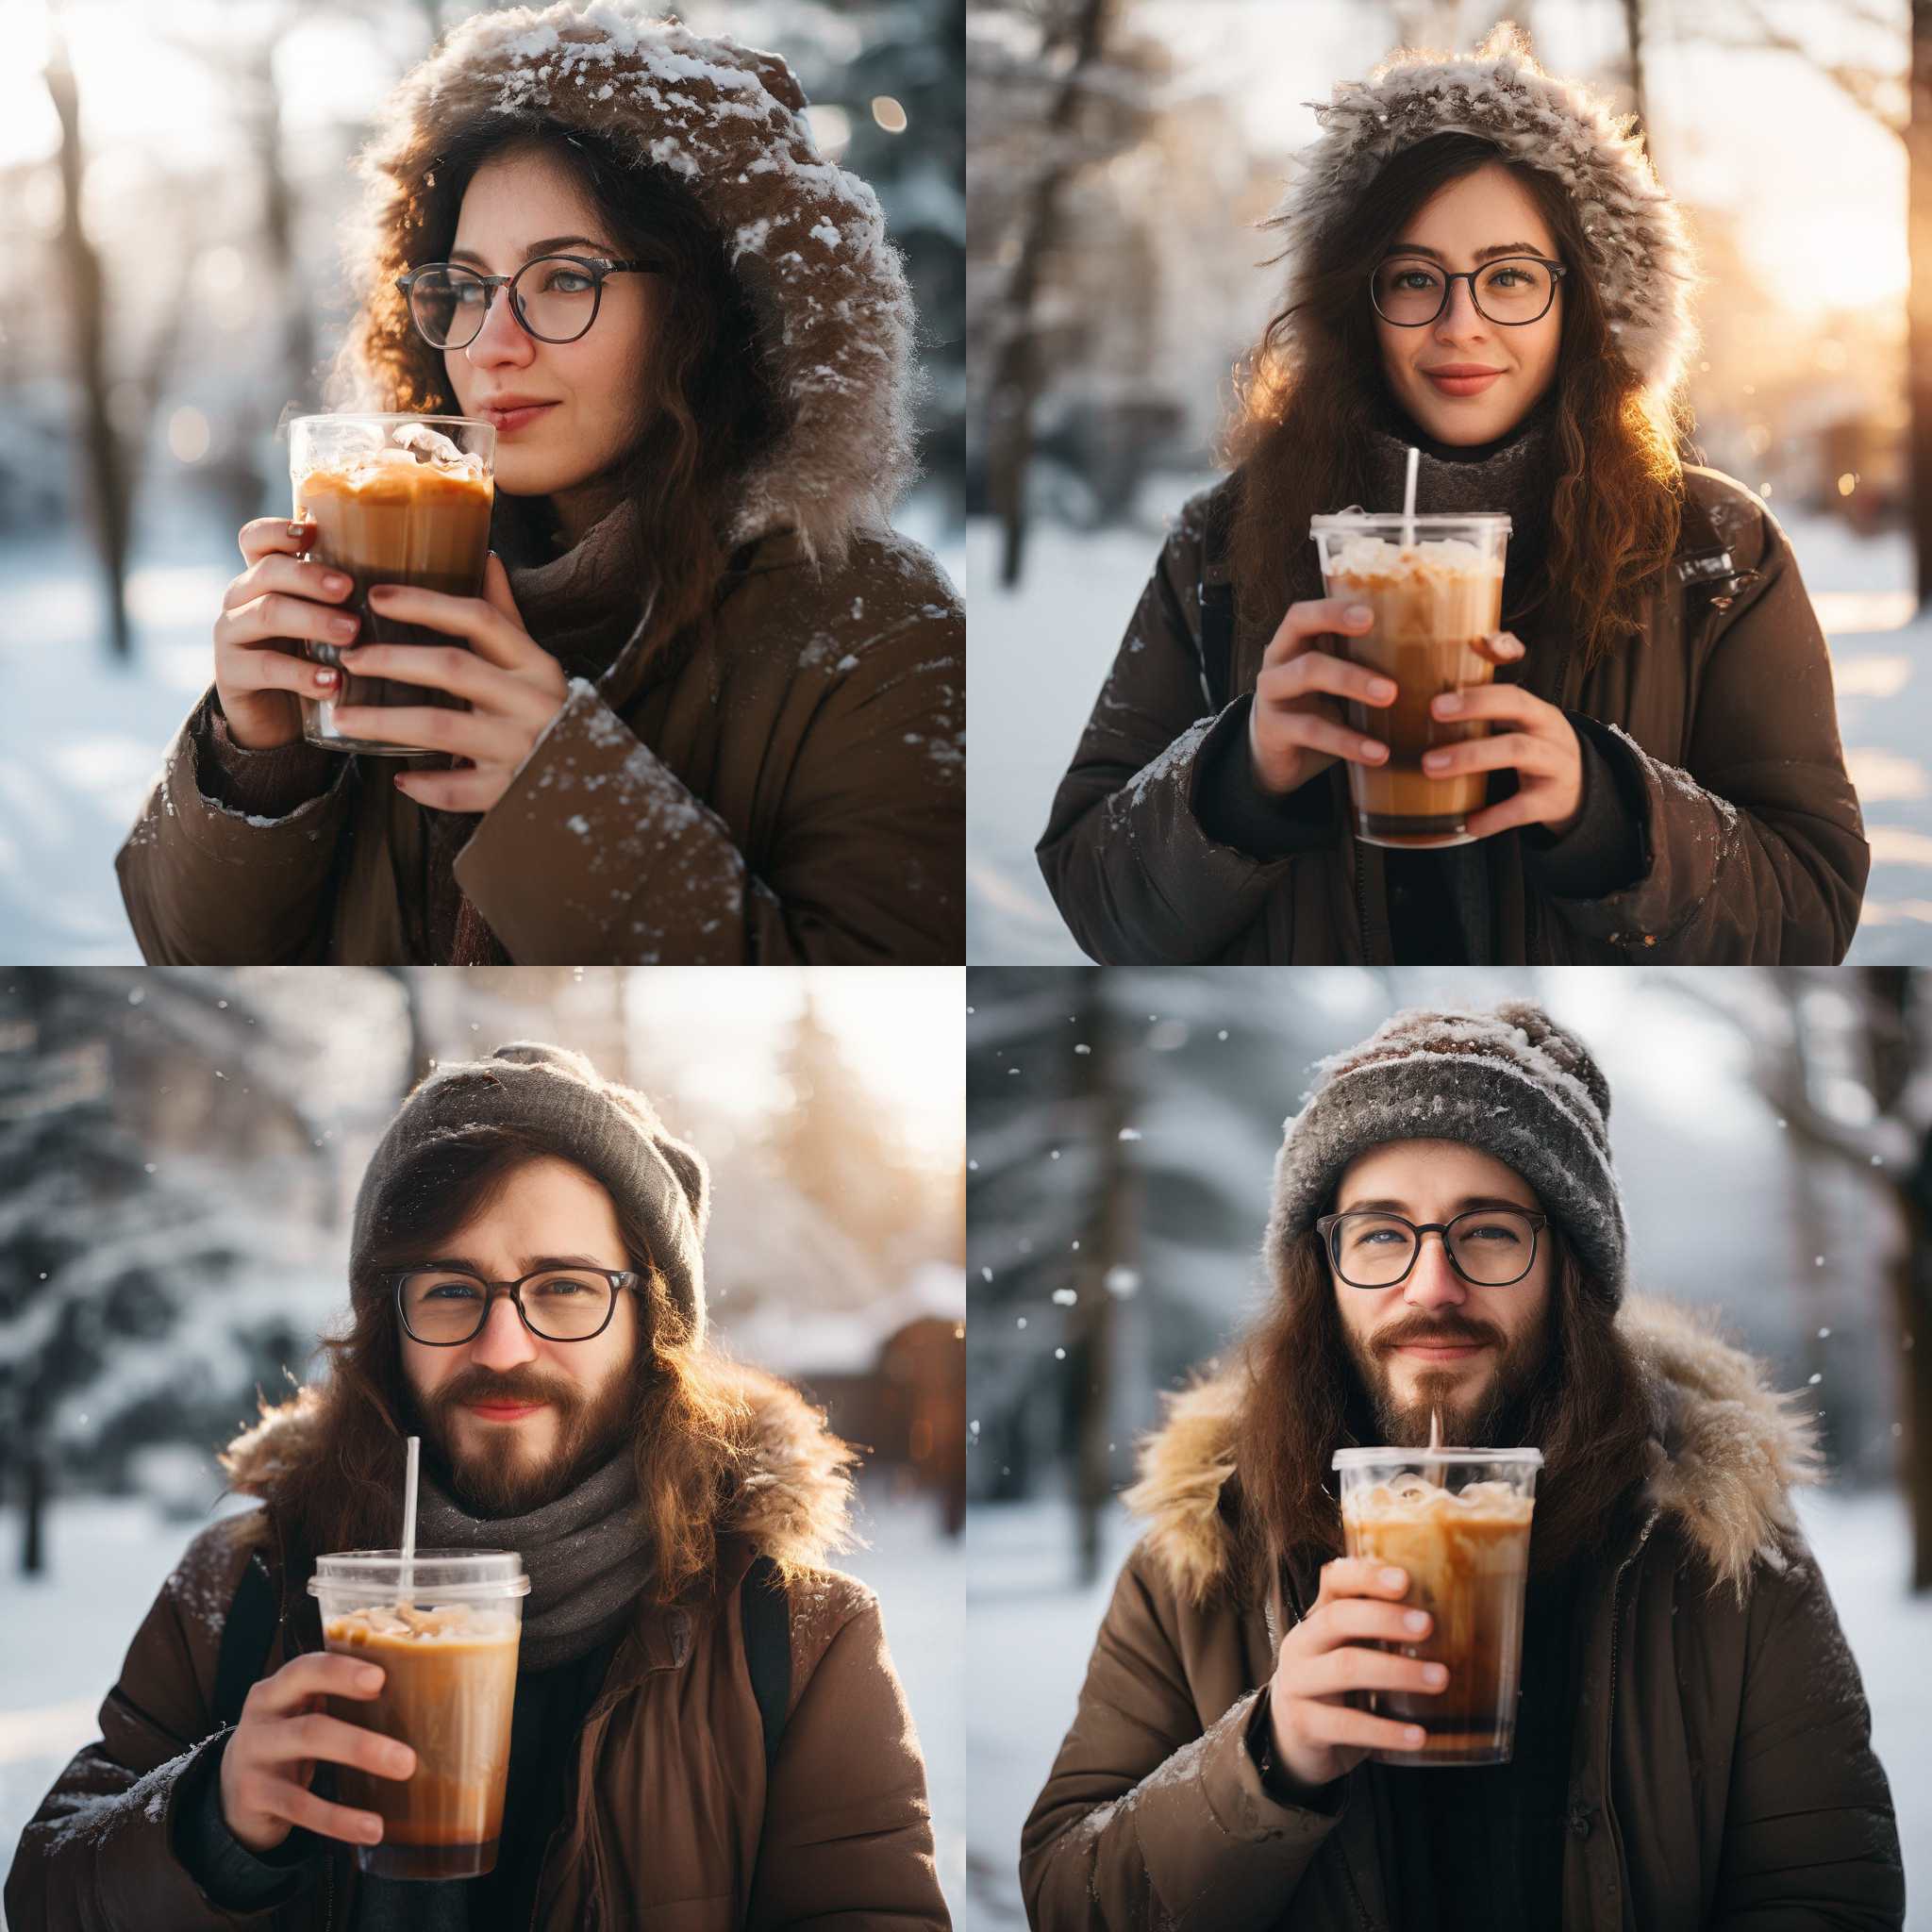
[1489,1247]
[1515,290]
[556,297]
[443,1307]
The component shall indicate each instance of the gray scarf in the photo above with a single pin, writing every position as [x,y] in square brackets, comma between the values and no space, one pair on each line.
[584,1554]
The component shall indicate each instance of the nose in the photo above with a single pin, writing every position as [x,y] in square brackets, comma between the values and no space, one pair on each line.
[1432,1282]
[503,340]
[503,1343]
[1460,317]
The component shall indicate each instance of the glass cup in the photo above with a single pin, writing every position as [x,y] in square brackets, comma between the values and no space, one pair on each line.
[1431,598]
[446,1638]
[395,500]
[1457,1522]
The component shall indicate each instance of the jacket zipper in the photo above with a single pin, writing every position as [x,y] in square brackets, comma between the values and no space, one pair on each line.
[1361,897]
[1611,1709]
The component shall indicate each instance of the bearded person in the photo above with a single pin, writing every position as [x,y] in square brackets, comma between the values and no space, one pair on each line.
[1692,1742]
[706,1729]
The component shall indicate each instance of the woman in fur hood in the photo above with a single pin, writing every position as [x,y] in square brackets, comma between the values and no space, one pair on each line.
[1668,784]
[711,704]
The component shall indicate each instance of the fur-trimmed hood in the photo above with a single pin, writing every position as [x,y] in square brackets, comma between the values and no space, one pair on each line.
[794,1502]
[1728,1451]
[806,239]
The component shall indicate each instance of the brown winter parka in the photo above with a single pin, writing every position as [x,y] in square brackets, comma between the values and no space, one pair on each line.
[1721,1772]
[1718,723]
[674,1821]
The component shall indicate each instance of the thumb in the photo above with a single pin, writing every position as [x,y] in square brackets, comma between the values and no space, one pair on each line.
[497,592]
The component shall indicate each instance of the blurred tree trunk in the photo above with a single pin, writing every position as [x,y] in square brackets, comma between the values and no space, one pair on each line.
[1633,43]
[1918,134]
[1017,365]
[103,458]
[419,1061]
[278,223]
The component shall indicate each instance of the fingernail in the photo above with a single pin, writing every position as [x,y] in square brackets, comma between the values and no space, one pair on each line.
[381,590]
[372,1830]
[324,677]
[1360,613]
[1394,1579]
[335,585]
[1435,1674]
[405,1759]
[1417,1619]
[1414,1734]
[297,531]
[1435,760]
[1447,703]
[370,1675]
[1374,750]
[1381,687]
[342,627]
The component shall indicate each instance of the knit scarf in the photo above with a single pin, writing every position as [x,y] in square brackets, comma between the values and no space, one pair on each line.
[584,1554]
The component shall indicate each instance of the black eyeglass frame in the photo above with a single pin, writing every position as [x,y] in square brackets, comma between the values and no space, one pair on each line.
[1327,1225]
[1557,271]
[597,266]
[618,1278]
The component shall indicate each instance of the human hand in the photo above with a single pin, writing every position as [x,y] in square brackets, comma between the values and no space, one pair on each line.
[1541,748]
[1317,1734]
[514,687]
[270,1758]
[1296,729]
[280,598]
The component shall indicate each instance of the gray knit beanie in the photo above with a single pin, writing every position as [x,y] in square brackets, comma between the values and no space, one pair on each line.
[611,1131]
[1511,1082]
[1641,257]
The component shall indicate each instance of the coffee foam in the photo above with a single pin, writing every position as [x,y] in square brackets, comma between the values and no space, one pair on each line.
[419,1624]
[1375,556]
[393,475]
[1411,1498]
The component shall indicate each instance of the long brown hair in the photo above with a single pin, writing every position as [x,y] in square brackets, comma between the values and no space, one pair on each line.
[707,404]
[343,1493]
[1306,395]
[1587,1412]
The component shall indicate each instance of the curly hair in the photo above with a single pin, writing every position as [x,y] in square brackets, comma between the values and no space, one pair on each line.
[707,405]
[1299,428]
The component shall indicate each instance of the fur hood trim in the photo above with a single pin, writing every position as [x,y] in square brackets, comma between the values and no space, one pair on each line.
[1639,248]
[793,1501]
[806,239]
[1730,1451]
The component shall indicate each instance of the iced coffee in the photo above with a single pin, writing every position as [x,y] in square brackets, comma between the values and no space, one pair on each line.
[395,500]
[1434,586]
[446,1637]
[1458,1522]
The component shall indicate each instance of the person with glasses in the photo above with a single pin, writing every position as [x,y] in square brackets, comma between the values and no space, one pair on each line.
[1483,269]
[710,707]
[707,1729]
[1447,1240]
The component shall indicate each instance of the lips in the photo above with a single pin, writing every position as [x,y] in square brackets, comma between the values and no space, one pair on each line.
[509,417]
[1434,1352]
[1472,385]
[502,1412]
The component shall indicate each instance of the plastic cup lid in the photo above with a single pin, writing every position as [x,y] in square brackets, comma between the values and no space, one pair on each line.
[446,1576]
[1376,1458]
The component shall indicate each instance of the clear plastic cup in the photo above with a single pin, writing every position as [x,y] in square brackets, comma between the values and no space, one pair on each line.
[1432,596]
[449,1655]
[395,500]
[1457,1521]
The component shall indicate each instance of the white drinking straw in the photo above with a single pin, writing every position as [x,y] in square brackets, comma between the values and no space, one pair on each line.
[410,1468]
[1408,499]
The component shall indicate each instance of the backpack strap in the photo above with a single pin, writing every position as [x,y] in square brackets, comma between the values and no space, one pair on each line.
[767,1612]
[1703,565]
[247,1634]
[1216,594]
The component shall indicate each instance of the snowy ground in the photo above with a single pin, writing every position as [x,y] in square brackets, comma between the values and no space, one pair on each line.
[68,1633]
[1030,1628]
[81,738]
[1038,657]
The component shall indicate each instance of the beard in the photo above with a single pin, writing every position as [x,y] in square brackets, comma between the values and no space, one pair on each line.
[1483,1403]
[500,1477]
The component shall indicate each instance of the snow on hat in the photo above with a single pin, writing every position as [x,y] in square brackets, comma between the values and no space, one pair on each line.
[1639,251]
[1511,1082]
[611,1131]
[806,239]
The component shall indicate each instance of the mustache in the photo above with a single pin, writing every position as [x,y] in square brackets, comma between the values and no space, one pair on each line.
[484,1385]
[1439,1336]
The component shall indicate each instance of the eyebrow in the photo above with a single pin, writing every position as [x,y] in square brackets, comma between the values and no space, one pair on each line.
[1461,1206]
[527,1264]
[536,249]
[1495,248]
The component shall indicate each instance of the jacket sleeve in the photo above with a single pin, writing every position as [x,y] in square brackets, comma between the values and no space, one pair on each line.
[847,1841]
[1136,873]
[99,1854]
[599,852]
[1756,854]
[1811,1840]
[208,883]
[1147,1820]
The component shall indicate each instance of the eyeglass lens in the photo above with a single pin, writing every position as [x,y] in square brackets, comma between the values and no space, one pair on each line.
[1513,291]
[442,1306]
[1491,1248]
[557,299]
